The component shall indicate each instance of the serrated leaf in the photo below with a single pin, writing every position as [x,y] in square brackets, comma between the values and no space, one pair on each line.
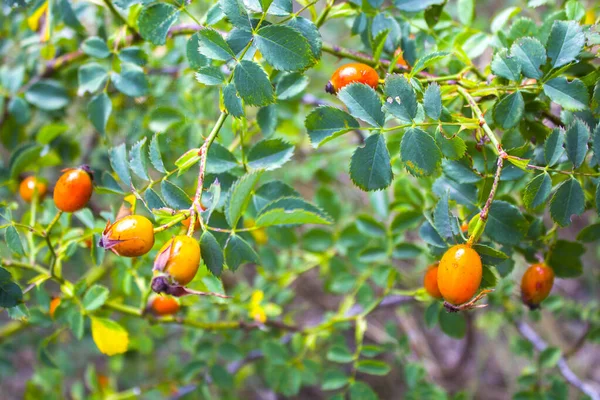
[590,233]
[219,159]
[138,161]
[442,217]
[415,5]
[131,81]
[308,29]
[432,101]
[13,240]
[459,172]
[212,45]
[272,191]
[453,148]
[269,154]
[426,61]
[239,252]
[95,47]
[240,195]
[419,152]
[195,59]
[506,66]
[118,161]
[155,156]
[568,200]
[400,98]
[363,103]
[291,85]
[98,110]
[153,200]
[284,47]
[232,102]
[267,119]
[133,55]
[291,211]
[155,20]
[210,75]
[212,254]
[505,223]
[91,77]
[576,142]
[565,258]
[554,146]
[325,123]
[565,42]
[110,337]
[509,110]
[572,96]
[537,191]
[370,167]
[252,84]
[95,297]
[531,55]
[236,14]
[174,196]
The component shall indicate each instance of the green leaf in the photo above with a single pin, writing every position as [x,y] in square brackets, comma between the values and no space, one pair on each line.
[118,161]
[134,55]
[13,240]
[406,251]
[427,60]
[460,172]
[565,258]
[131,81]
[212,45]
[502,18]
[291,211]
[22,157]
[553,147]
[568,200]
[406,220]
[236,14]
[549,357]
[467,11]
[50,132]
[432,101]
[574,10]
[219,159]
[363,103]
[572,96]
[334,379]
[291,85]
[95,47]
[509,110]
[505,224]
[163,118]
[269,154]
[271,191]
[91,76]
[195,59]
[576,142]
[531,55]
[370,167]
[210,75]
[187,160]
[442,217]
[598,198]
[10,293]
[325,123]
[565,42]
[373,367]
[489,256]
[415,5]
[267,119]
[537,191]
[453,148]
[154,22]
[419,152]
[76,322]
[370,226]
[138,161]
[590,233]
[453,324]
[153,199]
[212,254]
[506,66]
[308,29]
[339,354]
[98,110]
[19,109]
[233,102]
[95,297]
[155,157]
[401,100]
[252,84]
[174,196]
[284,47]
[47,95]
[240,195]
[239,252]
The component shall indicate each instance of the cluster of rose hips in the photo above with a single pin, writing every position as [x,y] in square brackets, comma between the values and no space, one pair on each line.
[456,278]
[130,236]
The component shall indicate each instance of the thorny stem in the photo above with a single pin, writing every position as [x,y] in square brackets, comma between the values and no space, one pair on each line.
[469,305]
[538,168]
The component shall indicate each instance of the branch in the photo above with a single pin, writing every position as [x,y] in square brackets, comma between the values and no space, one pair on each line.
[540,345]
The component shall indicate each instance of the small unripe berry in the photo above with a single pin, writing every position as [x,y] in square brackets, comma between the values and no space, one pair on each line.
[351,73]
[31,184]
[131,236]
[73,190]
[459,274]
[430,281]
[536,284]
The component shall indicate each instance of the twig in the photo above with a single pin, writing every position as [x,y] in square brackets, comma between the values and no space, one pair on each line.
[47,237]
[579,343]
[540,345]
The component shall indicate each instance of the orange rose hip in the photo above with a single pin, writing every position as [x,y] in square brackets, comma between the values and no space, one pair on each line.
[130,236]
[459,274]
[164,305]
[430,281]
[179,258]
[29,186]
[352,73]
[536,284]
[54,303]
[73,189]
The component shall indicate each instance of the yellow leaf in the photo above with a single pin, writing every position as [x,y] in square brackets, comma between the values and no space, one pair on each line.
[110,337]
[257,297]
[33,21]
